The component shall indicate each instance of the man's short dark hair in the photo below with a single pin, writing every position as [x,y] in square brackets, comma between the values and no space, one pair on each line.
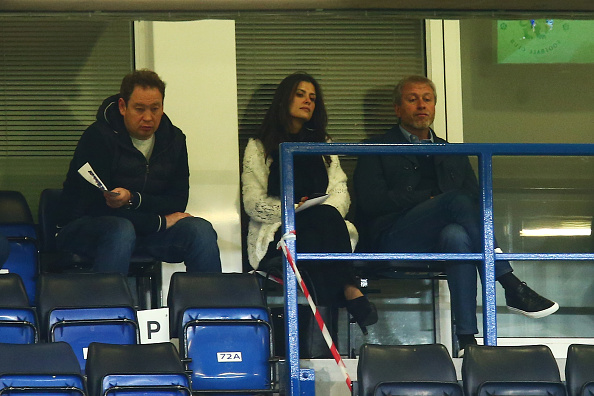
[411,80]
[142,78]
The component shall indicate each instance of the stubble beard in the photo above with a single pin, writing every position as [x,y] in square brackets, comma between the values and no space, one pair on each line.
[422,124]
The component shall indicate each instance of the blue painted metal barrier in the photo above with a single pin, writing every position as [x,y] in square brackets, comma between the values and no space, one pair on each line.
[484,153]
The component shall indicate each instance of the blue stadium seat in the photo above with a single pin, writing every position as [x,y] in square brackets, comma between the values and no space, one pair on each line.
[224,330]
[83,308]
[529,370]
[136,370]
[425,370]
[40,369]
[18,321]
[579,370]
[16,223]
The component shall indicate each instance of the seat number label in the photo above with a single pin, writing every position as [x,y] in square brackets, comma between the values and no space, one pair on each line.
[229,357]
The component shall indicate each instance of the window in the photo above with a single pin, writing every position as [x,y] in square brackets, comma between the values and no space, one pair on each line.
[356,57]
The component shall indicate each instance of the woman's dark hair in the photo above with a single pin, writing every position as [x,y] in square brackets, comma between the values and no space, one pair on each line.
[277,121]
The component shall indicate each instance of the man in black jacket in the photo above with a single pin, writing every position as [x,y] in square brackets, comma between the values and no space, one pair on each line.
[142,161]
[419,203]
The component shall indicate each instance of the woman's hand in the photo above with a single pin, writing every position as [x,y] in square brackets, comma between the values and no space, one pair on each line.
[303,199]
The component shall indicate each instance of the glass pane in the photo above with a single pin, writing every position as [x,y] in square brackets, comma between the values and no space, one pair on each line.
[525,81]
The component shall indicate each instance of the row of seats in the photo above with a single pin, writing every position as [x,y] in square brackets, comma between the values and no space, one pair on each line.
[68,306]
[221,321]
[52,368]
[225,338]
[428,370]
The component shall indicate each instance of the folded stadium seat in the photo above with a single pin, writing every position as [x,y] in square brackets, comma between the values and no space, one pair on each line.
[579,370]
[223,327]
[16,223]
[40,368]
[18,320]
[84,308]
[406,370]
[511,370]
[136,370]
[145,269]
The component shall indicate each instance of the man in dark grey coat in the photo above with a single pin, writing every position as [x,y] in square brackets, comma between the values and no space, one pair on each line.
[420,203]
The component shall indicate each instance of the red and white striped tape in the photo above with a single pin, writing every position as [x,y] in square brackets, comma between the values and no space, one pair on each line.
[327,337]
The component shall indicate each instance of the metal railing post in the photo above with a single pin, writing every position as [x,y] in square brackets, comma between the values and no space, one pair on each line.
[290,284]
[488,272]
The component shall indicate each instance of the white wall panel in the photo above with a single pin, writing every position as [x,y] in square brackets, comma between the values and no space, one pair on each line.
[197,61]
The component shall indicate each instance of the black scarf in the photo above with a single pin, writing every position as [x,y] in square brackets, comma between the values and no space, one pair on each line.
[310,176]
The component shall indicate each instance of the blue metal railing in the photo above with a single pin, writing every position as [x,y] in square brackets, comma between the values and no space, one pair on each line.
[485,153]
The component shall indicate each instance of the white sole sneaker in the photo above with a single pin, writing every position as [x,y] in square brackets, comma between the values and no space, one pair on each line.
[539,314]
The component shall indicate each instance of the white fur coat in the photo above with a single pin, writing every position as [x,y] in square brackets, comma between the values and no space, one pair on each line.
[265,211]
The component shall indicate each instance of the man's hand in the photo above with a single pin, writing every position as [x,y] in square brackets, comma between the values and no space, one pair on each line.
[117,201]
[173,218]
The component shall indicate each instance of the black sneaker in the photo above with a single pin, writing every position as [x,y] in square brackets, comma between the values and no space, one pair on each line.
[526,301]
[463,341]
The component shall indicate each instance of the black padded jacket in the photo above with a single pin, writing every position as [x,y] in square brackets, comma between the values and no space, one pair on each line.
[159,186]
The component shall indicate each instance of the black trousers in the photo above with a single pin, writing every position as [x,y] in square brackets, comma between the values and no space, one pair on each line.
[320,229]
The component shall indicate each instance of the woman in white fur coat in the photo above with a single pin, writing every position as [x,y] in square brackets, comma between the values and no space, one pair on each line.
[297,113]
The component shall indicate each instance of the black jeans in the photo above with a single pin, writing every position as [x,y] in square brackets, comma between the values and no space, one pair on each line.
[320,229]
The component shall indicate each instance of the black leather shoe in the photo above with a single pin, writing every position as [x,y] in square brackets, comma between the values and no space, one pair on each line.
[364,312]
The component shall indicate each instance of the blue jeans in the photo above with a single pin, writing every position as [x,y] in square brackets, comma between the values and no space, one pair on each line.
[110,241]
[4,249]
[448,223]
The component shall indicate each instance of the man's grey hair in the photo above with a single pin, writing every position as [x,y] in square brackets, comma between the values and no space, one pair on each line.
[397,98]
